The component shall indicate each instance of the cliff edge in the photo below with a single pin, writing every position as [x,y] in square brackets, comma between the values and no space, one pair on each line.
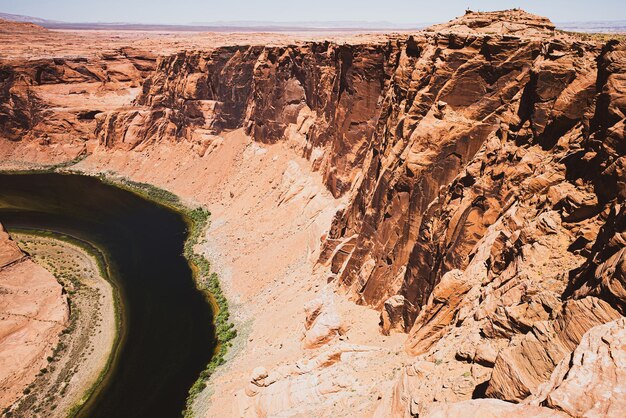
[475,173]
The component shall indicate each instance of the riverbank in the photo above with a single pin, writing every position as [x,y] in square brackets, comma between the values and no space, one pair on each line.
[79,360]
[33,312]
[207,281]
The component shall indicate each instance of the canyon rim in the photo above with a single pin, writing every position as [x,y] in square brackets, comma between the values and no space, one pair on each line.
[415,224]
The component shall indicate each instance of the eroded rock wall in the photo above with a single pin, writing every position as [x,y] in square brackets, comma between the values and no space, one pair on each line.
[321,96]
[49,106]
[481,163]
[541,260]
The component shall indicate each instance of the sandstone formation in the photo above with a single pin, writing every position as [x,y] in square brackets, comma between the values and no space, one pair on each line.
[591,381]
[492,408]
[33,311]
[30,88]
[474,174]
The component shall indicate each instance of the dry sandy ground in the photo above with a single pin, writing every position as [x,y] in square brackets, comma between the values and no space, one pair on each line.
[36,43]
[269,212]
[85,345]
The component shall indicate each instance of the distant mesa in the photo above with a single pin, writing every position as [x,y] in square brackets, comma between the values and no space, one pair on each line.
[512,21]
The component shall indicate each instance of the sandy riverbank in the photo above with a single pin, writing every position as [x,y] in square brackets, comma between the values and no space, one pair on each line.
[33,312]
[85,345]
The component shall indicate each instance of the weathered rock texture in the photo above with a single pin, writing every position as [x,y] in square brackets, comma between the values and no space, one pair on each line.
[589,382]
[33,311]
[592,381]
[313,94]
[481,163]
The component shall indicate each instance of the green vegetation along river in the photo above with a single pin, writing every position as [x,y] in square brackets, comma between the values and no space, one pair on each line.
[166,334]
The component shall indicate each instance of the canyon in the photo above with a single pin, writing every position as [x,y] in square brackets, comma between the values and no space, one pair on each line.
[413,224]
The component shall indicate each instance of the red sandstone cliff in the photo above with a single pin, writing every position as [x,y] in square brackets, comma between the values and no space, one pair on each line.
[482,162]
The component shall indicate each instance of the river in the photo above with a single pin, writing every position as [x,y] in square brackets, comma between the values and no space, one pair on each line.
[167,336]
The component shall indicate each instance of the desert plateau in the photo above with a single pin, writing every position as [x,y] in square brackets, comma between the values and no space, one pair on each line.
[313,222]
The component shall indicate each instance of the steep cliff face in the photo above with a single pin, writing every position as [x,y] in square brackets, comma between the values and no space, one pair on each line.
[51,103]
[322,96]
[481,163]
[19,107]
[448,96]
[403,119]
[480,160]
[515,254]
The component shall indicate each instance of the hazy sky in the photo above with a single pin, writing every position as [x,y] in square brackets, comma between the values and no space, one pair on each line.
[396,11]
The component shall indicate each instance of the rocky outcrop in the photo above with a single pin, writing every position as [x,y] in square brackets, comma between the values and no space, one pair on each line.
[323,97]
[529,361]
[439,313]
[590,382]
[509,22]
[53,103]
[526,222]
[311,384]
[10,253]
[407,227]
[19,108]
[323,322]
[601,160]
[392,315]
[33,311]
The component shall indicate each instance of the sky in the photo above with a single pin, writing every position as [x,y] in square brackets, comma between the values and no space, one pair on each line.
[393,11]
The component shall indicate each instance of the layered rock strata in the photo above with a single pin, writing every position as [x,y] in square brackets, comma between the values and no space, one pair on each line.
[480,164]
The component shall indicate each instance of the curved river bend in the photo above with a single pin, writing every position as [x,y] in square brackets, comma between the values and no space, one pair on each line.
[167,336]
